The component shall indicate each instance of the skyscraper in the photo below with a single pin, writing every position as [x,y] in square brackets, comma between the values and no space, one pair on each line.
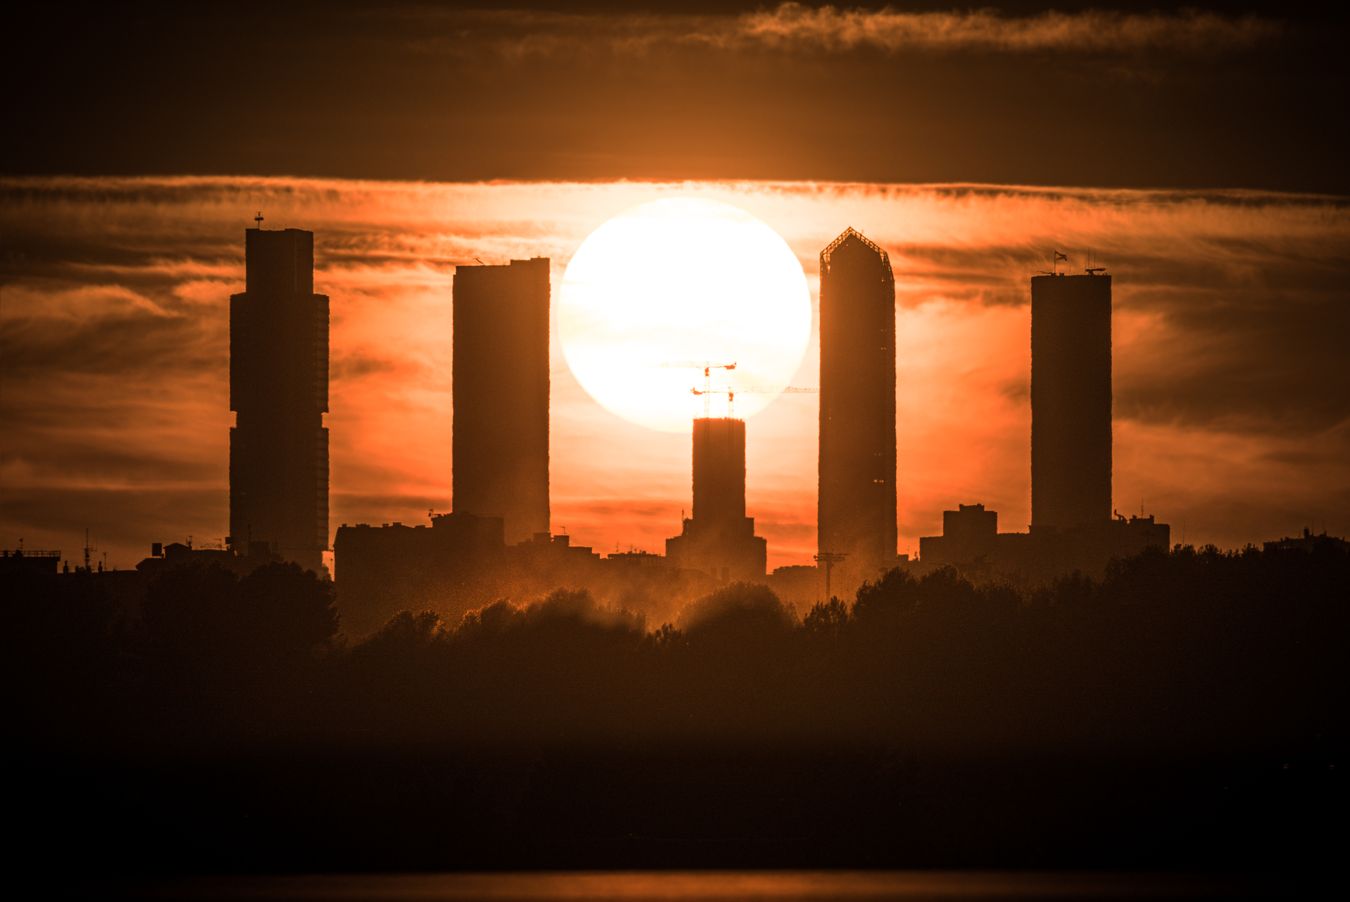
[857,410]
[1070,400]
[279,393]
[719,538]
[501,392]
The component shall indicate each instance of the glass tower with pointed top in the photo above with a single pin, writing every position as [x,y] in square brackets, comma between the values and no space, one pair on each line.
[279,393]
[857,512]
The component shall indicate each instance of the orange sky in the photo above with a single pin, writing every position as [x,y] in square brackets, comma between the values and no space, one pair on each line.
[1232,411]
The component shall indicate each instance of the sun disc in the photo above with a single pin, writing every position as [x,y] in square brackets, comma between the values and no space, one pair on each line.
[658,291]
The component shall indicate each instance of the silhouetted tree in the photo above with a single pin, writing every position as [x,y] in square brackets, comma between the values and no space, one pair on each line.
[1192,698]
[826,619]
[286,613]
[739,613]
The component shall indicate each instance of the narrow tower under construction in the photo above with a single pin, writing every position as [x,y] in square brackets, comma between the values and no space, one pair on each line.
[279,393]
[857,517]
[501,395]
[719,539]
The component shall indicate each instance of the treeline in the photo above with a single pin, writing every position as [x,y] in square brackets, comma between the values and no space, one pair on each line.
[1172,713]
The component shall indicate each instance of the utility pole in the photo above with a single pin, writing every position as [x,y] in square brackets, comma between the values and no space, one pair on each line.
[829,559]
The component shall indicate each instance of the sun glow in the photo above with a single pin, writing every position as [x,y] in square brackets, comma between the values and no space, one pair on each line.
[665,287]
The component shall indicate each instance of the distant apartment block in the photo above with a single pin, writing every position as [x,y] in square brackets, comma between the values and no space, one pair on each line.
[971,543]
[448,567]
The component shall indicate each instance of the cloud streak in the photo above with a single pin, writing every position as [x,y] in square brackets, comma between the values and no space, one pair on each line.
[839,29]
[798,27]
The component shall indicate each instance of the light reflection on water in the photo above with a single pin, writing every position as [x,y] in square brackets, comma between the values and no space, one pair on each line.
[715,886]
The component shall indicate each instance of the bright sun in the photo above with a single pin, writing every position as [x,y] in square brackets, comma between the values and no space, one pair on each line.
[664,287]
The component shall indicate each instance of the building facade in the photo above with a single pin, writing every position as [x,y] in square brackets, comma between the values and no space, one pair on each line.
[501,395]
[279,394]
[971,543]
[857,510]
[969,534]
[448,567]
[1070,401]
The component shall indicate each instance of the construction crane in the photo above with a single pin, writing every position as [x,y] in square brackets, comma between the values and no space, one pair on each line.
[786,390]
[699,365]
[731,393]
[707,389]
[707,393]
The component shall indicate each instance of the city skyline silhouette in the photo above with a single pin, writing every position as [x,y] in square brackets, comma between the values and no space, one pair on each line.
[279,476]
[701,451]
[1192,411]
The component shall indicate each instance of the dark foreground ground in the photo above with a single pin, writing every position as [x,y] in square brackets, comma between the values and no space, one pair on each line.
[1184,716]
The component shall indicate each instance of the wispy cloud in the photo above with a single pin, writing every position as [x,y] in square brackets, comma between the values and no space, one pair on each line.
[1092,31]
[837,29]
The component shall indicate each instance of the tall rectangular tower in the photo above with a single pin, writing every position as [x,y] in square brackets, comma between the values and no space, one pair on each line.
[501,394]
[856,515]
[279,393]
[719,470]
[1070,400]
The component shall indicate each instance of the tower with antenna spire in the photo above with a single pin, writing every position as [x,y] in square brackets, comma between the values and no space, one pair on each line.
[279,393]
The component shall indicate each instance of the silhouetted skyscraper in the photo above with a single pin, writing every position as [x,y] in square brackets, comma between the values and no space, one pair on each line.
[501,389]
[279,393]
[719,538]
[1070,400]
[857,410]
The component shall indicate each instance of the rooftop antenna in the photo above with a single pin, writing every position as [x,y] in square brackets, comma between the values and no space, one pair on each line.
[259,220]
[1092,268]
